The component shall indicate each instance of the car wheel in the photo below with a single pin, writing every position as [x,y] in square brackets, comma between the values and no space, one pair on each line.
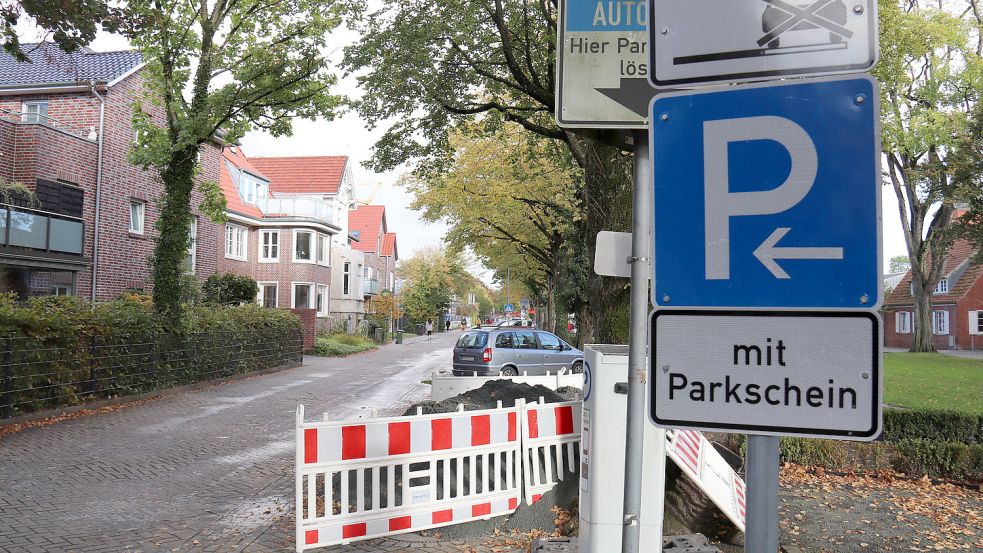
[577,367]
[510,371]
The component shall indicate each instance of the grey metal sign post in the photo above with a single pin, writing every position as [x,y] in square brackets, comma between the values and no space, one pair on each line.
[761,532]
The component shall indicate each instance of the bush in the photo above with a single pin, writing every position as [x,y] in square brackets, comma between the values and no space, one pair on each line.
[939,459]
[61,351]
[932,424]
[813,452]
[229,289]
[339,345]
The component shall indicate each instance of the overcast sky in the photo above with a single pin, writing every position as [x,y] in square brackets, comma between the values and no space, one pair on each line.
[348,135]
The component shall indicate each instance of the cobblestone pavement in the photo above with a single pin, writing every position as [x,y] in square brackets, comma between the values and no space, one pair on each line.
[208,470]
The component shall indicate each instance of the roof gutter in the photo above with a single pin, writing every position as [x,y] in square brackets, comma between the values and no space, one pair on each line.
[95,230]
[35,88]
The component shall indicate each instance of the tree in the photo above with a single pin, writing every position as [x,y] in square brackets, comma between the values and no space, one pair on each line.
[383,310]
[508,197]
[930,72]
[219,67]
[432,66]
[899,264]
[430,278]
[70,23]
[229,289]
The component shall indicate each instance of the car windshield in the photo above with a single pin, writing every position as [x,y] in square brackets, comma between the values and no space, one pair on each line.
[473,340]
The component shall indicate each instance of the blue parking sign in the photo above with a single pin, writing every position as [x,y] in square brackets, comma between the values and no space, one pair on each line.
[768,196]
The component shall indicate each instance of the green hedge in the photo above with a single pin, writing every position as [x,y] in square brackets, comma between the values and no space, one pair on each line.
[932,424]
[62,351]
[939,459]
[339,345]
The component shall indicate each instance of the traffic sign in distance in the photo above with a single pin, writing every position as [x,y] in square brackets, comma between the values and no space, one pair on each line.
[768,196]
[707,41]
[602,65]
[509,308]
[781,373]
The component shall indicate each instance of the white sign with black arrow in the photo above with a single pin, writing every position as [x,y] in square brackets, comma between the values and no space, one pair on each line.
[602,64]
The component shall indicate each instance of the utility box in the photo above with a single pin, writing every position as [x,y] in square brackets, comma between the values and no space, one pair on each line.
[602,471]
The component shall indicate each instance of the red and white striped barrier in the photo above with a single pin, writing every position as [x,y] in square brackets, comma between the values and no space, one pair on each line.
[711,472]
[550,445]
[378,477]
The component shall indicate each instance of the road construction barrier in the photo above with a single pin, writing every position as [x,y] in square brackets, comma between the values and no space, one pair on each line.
[357,480]
[445,385]
[550,445]
[710,471]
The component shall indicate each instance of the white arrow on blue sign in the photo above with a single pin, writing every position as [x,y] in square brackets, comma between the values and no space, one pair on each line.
[768,196]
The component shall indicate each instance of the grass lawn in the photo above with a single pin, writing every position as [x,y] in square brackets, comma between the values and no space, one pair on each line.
[933,380]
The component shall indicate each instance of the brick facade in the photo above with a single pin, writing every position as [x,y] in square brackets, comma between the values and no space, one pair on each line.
[308,319]
[62,150]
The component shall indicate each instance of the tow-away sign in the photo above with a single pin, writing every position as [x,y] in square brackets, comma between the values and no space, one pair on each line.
[602,64]
[809,374]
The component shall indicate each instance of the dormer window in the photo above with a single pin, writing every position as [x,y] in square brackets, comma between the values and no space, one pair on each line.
[942,287]
[251,189]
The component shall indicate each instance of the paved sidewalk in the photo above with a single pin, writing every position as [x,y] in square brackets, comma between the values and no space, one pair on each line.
[209,470]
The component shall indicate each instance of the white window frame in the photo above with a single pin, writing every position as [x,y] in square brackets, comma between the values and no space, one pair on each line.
[36,117]
[346,278]
[940,322]
[141,216]
[293,294]
[263,233]
[326,262]
[236,242]
[193,243]
[312,243]
[261,288]
[325,299]
[902,322]
[942,287]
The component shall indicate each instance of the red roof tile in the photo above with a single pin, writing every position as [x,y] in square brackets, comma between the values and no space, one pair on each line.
[959,253]
[233,202]
[303,175]
[368,221]
[389,245]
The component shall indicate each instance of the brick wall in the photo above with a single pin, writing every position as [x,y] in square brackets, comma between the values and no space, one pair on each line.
[63,153]
[308,319]
[284,272]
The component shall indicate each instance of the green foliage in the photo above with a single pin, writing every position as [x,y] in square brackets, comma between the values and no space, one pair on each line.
[339,345]
[899,264]
[813,453]
[430,277]
[939,459]
[225,66]
[932,424]
[71,24]
[229,289]
[63,351]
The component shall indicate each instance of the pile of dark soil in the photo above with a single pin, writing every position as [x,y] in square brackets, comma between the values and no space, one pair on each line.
[487,397]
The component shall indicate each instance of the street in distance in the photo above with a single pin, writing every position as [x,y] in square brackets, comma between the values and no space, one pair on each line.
[787,373]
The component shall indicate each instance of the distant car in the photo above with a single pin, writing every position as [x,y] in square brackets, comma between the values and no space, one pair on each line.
[513,351]
[773,18]
[516,322]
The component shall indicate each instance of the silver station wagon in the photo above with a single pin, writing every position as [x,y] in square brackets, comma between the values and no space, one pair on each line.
[514,351]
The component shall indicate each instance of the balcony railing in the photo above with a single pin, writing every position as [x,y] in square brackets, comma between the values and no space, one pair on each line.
[370,287]
[40,230]
[297,207]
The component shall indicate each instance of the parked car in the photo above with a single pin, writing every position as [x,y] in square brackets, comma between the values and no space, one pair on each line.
[513,351]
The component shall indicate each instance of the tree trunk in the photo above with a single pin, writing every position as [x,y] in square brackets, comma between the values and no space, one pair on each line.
[921,340]
[172,234]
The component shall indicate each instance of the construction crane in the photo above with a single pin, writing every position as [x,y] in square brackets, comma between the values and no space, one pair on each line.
[368,200]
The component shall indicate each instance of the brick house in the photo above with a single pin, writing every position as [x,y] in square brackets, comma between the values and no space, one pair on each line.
[957,305]
[65,132]
[368,222]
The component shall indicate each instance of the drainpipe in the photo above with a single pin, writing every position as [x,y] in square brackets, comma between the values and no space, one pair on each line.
[95,230]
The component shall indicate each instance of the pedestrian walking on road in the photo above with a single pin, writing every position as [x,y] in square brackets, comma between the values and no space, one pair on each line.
[429,329]
[447,325]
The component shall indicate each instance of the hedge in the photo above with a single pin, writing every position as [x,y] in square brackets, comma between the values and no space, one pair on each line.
[63,351]
[939,459]
[932,424]
[339,345]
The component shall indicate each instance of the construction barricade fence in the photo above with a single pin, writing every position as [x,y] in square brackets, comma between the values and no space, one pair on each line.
[376,477]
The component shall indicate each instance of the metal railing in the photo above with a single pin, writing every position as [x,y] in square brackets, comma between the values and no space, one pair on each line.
[41,230]
[43,119]
[38,373]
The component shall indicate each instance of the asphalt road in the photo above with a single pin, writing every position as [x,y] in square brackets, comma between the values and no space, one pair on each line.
[208,470]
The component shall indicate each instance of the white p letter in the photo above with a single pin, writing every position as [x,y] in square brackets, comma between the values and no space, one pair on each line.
[720,204]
